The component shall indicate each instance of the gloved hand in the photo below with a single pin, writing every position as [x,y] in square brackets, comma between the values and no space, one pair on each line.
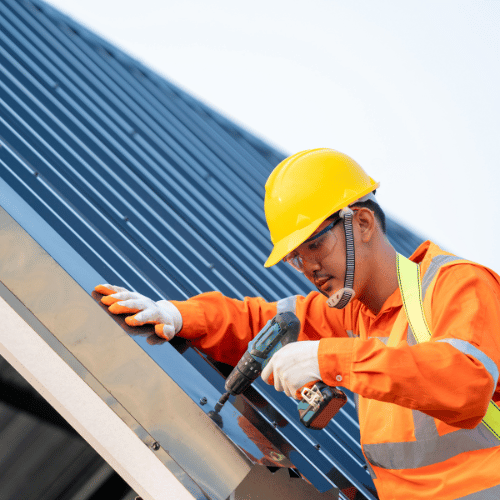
[163,314]
[293,366]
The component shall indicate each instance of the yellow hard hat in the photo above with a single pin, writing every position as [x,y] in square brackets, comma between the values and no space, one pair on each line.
[305,189]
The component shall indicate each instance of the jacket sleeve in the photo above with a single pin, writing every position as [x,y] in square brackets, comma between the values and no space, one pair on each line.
[222,327]
[453,376]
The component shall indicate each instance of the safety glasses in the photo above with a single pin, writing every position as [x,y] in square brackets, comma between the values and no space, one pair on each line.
[314,249]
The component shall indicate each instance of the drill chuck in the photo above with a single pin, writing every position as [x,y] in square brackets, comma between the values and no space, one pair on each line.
[245,372]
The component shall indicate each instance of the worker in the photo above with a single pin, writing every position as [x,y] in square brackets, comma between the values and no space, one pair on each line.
[421,404]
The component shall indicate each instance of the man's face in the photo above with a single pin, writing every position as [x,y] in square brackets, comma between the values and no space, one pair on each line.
[323,258]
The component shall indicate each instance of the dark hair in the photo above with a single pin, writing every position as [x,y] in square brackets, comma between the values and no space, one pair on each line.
[374,207]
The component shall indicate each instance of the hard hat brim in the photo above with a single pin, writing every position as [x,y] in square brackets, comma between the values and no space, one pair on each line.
[286,245]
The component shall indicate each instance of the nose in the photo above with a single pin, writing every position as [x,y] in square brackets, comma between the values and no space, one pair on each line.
[311,267]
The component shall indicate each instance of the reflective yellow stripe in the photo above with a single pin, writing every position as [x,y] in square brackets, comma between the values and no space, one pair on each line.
[411,292]
[492,419]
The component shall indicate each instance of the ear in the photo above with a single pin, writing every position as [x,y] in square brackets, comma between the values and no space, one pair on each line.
[366,223]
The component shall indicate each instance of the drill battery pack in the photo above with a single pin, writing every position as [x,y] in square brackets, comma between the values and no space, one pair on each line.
[319,405]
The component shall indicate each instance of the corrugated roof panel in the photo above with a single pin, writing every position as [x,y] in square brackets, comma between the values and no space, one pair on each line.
[154,189]
[141,181]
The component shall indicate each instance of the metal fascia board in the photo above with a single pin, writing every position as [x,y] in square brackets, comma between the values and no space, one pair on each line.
[106,354]
[91,416]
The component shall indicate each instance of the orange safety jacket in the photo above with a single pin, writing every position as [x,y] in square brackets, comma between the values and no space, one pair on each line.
[420,406]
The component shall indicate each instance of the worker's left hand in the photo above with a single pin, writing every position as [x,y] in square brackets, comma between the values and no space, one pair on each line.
[163,314]
[293,366]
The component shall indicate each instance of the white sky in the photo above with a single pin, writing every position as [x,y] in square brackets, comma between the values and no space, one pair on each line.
[405,88]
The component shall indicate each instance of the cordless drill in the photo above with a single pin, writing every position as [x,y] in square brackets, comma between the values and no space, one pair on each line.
[320,403]
[279,331]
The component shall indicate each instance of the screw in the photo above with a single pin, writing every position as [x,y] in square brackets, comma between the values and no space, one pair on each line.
[155,446]
[203,401]
[275,424]
[318,446]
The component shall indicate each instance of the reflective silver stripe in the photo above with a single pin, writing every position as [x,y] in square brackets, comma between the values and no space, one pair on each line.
[468,348]
[435,265]
[416,454]
[410,338]
[288,304]
[351,334]
[424,426]
[487,494]
[370,470]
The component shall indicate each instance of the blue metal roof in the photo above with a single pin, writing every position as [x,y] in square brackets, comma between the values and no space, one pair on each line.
[155,190]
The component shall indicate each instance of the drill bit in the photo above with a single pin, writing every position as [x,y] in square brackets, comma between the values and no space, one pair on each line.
[214,414]
[220,403]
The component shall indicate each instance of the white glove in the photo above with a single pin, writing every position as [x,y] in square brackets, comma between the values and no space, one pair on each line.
[293,366]
[163,314]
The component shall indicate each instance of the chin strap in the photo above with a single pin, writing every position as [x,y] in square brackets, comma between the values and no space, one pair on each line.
[341,298]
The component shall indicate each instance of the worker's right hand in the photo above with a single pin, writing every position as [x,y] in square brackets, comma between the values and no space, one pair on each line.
[293,366]
[163,314]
